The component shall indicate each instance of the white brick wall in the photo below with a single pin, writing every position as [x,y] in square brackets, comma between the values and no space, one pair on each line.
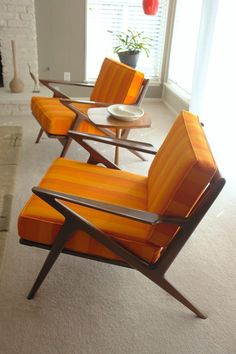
[17,22]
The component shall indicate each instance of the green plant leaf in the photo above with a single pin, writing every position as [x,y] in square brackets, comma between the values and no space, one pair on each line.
[132,41]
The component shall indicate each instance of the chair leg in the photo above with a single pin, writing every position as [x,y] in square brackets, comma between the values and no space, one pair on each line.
[138,154]
[66,146]
[39,136]
[56,249]
[124,135]
[170,289]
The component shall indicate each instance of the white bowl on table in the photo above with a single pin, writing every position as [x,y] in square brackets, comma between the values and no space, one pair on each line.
[125,112]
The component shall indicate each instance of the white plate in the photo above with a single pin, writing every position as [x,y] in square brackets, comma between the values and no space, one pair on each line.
[125,112]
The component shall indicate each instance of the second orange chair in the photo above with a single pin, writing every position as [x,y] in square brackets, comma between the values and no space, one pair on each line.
[116,83]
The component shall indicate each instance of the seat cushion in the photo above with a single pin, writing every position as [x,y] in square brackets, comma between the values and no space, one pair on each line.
[56,119]
[40,223]
[180,172]
[117,83]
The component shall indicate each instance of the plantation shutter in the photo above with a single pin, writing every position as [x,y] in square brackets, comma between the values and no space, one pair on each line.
[106,16]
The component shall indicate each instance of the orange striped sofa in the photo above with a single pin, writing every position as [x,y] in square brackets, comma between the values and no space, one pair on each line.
[116,83]
[177,181]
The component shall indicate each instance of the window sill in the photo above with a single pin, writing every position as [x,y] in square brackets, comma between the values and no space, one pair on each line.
[154,83]
[178,92]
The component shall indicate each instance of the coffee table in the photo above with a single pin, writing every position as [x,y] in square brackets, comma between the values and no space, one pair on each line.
[102,118]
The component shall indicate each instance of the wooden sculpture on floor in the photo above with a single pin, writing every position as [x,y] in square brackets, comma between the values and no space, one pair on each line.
[36,85]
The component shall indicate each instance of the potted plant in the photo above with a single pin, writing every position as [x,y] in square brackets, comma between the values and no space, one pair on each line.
[130,44]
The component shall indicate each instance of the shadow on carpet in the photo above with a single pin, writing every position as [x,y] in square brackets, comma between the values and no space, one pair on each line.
[10,142]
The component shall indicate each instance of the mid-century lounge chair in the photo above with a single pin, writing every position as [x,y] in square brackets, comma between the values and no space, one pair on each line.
[124,218]
[116,83]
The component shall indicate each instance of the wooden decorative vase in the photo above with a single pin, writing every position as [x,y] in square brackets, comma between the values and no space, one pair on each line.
[16,84]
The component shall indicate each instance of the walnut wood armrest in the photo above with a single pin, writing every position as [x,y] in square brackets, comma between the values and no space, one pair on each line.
[135,214]
[58,93]
[129,144]
[69,103]
[65,82]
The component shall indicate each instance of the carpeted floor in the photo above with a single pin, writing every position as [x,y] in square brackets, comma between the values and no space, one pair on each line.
[10,141]
[85,307]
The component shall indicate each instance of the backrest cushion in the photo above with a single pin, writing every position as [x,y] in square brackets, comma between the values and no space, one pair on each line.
[117,83]
[179,173]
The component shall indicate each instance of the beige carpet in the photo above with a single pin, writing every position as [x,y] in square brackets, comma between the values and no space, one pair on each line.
[10,141]
[85,307]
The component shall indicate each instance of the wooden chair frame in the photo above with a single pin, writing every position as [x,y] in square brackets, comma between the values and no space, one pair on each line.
[73,221]
[65,140]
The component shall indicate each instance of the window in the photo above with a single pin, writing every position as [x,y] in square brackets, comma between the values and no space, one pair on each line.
[184,43]
[104,16]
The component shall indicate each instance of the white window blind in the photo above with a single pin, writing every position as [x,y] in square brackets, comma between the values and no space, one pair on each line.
[184,43]
[106,16]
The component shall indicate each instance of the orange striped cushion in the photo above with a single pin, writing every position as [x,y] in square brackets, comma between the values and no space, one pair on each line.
[117,83]
[180,172]
[40,223]
[57,119]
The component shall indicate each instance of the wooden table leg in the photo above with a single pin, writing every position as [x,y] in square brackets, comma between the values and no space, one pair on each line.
[124,135]
[118,134]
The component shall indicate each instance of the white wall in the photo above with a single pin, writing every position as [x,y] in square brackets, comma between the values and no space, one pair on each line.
[61,39]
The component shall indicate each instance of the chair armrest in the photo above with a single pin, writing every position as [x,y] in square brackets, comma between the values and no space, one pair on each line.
[65,82]
[69,103]
[129,144]
[130,213]
[58,93]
